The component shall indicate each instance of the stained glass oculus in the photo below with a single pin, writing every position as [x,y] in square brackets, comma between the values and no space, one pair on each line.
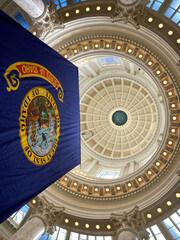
[119,118]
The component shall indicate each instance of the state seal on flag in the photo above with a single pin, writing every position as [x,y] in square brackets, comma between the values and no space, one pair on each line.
[39,126]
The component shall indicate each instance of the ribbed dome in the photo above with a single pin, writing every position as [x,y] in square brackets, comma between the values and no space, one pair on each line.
[102,105]
[120,116]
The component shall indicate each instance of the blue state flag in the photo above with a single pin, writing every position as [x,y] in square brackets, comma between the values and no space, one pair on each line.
[39,116]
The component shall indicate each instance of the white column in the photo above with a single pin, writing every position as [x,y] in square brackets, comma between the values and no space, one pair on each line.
[45,218]
[90,165]
[32,230]
[121,171]
[126,235]
[34,8]
[131,167]
[130,225]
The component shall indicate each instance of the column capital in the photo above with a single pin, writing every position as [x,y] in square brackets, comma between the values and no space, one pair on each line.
[48,213]
[48,21]
[129,11]
[132,221]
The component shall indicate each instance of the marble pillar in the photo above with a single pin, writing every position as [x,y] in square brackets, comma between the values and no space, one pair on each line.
[34,8]
[32,230]
[126,235]
[130,225]
[45,217]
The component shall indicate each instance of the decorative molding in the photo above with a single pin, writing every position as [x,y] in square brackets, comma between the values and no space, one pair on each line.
[129,12]
[11,9]
[159,64]
[48,22]
[133,221]
[178,63]
[48,213]
[66,44]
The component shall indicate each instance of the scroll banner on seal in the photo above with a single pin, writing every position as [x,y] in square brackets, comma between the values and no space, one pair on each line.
[39,116]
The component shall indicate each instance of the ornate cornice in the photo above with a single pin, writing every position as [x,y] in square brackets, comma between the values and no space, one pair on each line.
[68,50]
[74,44]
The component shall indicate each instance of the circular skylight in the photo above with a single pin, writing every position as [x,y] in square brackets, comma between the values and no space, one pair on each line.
[119,118]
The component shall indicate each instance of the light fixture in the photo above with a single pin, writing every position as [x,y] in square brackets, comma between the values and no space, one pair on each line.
[98,8]
[107,45]
[164,153]
[65,179]
[149,215]
[34,33]
[66,220]
[173,130]
[87,9]
[77,11]
[140,55]
[173,105]
[75,51]
[150,19]
[164,82]
[107,189]
[157,163]
[178,195]
[170,142]
[96,189]
[160,25]
[149,172]
[34,201]
[158,72]
[75,183]
[76,224]
[118,47]
[85,47]
[149,63]
[65,57]
[96,45]
[159,210]
[109,8]
[97,227]
[170,32]
[67,14]
[85,187]
[174,118]
[170,93]
[129,184]
[169,203]
[108,226]
[140,179]
[178,40]
[130,50]
[86,225]
[118,188]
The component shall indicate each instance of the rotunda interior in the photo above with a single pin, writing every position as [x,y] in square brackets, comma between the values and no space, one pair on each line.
[127,53]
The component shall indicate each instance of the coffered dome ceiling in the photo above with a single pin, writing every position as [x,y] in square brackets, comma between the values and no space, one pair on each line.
[129,118]
[120,114]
